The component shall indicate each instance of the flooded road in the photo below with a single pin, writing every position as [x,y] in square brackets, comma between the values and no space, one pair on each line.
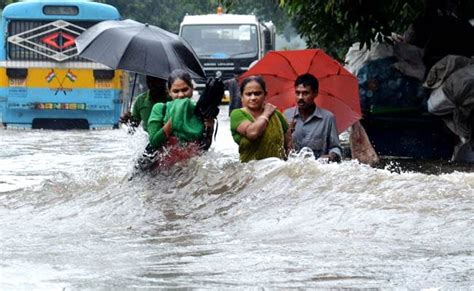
[71,219]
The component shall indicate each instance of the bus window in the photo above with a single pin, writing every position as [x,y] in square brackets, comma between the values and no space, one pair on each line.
[60,10]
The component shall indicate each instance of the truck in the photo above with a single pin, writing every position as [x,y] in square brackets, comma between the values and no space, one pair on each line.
[226,44]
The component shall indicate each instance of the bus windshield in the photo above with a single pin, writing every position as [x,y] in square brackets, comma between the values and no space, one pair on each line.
[222,41]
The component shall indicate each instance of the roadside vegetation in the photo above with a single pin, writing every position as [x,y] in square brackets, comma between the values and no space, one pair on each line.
[333,25]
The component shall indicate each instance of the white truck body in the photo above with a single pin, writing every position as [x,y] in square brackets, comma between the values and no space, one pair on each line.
[227,43]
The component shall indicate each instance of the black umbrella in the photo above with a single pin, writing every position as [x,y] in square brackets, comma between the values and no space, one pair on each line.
[137,47]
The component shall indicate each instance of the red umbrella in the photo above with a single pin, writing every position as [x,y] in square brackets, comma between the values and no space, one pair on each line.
[338,89]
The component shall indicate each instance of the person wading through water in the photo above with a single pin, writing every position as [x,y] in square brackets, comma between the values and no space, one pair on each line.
[144,102]
[312,126]
[259,129]
[180,129]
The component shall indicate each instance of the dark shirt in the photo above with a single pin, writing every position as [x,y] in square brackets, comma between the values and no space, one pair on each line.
[234,90]
[318,132]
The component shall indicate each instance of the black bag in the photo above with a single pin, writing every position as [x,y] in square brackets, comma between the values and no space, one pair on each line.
[207,106]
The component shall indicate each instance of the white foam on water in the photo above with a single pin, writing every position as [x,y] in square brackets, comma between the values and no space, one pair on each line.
[71,218]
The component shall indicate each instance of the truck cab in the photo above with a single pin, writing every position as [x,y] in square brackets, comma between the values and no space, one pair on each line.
[226,44]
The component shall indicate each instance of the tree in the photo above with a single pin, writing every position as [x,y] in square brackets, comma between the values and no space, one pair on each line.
[168,14]
[4,3]
[334,25]
[265,10]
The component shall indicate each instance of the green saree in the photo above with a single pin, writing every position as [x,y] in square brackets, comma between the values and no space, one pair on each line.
[270,144]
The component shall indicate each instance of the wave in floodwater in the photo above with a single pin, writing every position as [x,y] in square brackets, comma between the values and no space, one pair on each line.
[72,219]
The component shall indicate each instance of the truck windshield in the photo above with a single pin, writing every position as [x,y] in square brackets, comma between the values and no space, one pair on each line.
[222,41]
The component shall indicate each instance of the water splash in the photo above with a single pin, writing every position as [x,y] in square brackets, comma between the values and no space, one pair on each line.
[71,219]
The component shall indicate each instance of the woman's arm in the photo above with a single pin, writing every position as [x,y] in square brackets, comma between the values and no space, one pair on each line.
[333,145]
[253,130]
[157,131]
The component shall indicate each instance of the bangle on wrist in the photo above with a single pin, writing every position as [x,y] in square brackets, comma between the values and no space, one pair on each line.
[264,118]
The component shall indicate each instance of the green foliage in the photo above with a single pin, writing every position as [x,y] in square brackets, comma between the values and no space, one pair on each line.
[3,3]
[334,25]
[265,10]
[168,14]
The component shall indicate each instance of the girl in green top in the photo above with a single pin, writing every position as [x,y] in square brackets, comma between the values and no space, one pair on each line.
[176,118]
[173,124]
[260,130]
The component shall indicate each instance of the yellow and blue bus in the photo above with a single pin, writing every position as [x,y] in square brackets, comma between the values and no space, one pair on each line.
[43,82]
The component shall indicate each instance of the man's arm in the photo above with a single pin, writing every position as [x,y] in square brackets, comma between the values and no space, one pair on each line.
[133,118]
[136,117]
[334,146]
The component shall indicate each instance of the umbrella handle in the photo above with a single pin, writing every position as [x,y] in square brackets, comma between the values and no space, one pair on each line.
[131,128]
[133,92]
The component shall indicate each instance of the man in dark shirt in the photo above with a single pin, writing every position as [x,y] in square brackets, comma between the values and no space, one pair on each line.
[144,102]
[234,91]
[313,127]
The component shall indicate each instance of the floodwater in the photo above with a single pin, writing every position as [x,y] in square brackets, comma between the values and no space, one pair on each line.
[71,219]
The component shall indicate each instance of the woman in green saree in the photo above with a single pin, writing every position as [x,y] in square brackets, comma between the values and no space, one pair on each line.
[260,130]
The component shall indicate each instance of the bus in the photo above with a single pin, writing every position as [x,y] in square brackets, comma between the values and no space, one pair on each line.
[43,81]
